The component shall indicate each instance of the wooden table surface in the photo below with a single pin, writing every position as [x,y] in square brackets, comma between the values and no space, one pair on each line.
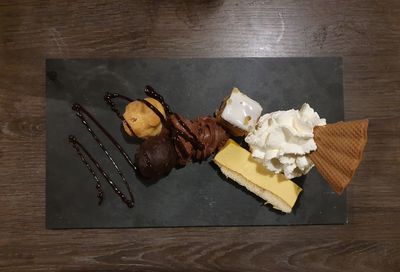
[365,33]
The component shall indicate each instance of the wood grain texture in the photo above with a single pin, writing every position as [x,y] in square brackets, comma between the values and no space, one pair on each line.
[365,33]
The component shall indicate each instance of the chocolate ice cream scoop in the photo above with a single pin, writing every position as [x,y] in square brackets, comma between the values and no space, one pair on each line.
[156,157]
[211,135]
[198,139]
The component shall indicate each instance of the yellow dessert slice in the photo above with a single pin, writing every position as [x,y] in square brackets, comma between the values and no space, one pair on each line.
[237,164]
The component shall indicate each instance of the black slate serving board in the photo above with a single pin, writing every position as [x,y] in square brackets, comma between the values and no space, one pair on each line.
[197,195]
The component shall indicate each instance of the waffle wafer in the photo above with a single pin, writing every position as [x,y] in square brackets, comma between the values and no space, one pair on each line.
[339,151]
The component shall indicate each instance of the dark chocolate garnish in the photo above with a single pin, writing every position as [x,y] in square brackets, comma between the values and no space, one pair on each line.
[187,134]
[80,112]
[150,92]
[194,140]
[78,147]
[108,98]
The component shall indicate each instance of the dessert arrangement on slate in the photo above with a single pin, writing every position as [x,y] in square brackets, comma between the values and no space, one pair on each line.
[279,146]
[204,153]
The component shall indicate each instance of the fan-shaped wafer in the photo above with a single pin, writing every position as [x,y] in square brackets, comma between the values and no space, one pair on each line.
[339,151]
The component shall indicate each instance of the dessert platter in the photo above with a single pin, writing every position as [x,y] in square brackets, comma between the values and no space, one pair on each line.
[199,146]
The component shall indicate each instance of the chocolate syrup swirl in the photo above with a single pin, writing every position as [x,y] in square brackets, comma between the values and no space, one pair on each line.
[188,135]
[108,98]
[150,92]
[80,112]
[194,140]
[155,110]
[78,147]
[176,134]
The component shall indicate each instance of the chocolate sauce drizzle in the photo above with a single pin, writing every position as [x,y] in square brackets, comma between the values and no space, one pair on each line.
[80,112]
[109,99]
[192,138]
[78,147]
[149,91]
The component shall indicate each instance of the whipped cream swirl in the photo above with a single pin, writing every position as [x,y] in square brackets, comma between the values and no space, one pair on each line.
[281,140]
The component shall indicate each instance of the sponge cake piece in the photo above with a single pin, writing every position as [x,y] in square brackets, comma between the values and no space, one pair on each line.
[237,164]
